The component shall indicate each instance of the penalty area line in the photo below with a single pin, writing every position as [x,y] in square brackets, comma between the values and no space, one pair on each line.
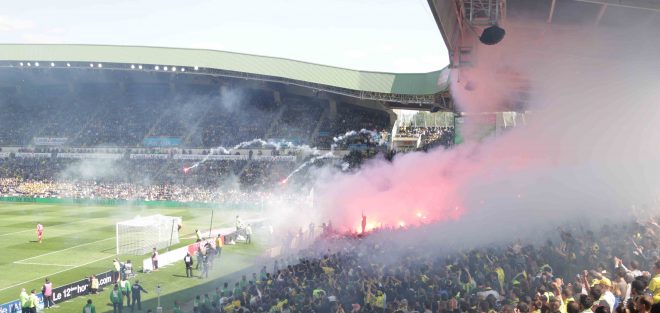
[43,264]
[58,272]
[18,232]
[53,252]
[49,227]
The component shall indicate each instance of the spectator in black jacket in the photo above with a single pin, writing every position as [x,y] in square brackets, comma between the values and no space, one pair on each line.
[188,261]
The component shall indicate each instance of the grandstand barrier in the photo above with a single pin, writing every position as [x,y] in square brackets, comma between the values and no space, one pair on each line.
[166,258]
[32,155]
[50,141]
[79,288]
[210,157]
[113,202]
[62,293]
[15,306]
[84,156]
[152,156]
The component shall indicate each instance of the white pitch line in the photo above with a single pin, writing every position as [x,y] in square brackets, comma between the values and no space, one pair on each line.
[18,232]
[50,227]
[44,264]
[62,271]
[49,253]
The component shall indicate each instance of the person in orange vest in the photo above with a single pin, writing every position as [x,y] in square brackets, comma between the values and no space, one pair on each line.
[219,243]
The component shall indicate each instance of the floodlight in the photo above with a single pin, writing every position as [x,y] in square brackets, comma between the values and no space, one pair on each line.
[36,63]
[52,64]
[100,65]
[156,67]
[68,64]
[140,66]
[492,35]
[21,64]
[132,66]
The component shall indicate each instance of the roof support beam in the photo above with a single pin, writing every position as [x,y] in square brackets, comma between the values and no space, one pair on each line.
[635,4]
[601,13]
[552,11]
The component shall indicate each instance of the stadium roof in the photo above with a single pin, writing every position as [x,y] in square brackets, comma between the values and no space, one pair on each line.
[419,84]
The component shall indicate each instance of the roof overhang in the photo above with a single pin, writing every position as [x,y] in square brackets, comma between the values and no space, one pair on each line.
[347,81]
[634,4]
[445,15]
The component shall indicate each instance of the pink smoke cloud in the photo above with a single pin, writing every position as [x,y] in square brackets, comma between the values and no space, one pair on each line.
[589,147]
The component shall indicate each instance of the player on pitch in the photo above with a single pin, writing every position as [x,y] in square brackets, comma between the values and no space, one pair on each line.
[40,231]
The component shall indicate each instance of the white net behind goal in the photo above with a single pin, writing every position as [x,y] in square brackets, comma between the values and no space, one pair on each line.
[140,235]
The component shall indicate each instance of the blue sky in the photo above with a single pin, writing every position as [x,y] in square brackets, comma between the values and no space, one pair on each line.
[377,35]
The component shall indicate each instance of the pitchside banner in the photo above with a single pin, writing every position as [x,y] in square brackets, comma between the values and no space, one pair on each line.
[141,156]
[15,306]
[32,155]
[79,288]
[112,156]
[161,141]
[278,158]
[209,157]
[62,293]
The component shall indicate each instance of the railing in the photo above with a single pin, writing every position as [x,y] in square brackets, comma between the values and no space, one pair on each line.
[115,202]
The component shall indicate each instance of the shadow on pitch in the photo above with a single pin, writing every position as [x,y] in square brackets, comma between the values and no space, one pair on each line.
[184,276]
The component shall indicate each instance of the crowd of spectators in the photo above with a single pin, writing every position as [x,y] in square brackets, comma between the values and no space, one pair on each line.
[241,116]
[194,116]
[615,269]
[211,181]
[430,136]
[352,118]
[299,119]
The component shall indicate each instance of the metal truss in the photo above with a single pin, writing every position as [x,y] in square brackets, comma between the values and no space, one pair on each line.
[482,12]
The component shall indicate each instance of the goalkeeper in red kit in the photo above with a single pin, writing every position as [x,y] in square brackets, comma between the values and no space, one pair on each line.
[40,231]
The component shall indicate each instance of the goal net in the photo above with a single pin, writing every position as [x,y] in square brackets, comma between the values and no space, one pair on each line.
[140,235]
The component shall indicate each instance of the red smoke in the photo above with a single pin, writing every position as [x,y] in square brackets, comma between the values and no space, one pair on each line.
[581,152]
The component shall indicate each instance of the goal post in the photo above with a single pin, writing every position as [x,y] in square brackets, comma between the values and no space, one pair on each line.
[140,235]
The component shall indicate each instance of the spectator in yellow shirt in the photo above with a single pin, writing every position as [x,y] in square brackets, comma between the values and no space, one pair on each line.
[654,285]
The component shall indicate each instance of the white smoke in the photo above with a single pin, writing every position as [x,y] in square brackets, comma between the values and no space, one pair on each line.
[589,150]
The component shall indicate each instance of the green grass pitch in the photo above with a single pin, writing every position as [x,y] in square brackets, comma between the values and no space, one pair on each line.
[80,241]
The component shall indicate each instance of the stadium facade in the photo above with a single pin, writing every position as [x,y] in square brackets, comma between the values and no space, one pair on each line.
[393,90]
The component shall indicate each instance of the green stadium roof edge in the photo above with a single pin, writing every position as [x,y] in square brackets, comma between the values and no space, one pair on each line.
[405,84]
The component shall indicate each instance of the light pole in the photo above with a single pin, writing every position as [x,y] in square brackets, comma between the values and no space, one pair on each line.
[159,309]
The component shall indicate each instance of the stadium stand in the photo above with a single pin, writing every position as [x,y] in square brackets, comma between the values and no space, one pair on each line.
[98,115]
[138,179]
[346,273]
